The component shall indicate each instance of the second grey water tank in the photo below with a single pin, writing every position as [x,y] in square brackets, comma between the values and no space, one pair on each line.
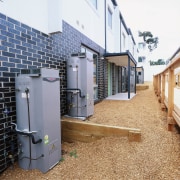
[80,85]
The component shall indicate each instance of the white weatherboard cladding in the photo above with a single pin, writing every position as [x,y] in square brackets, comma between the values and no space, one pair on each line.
[43,15]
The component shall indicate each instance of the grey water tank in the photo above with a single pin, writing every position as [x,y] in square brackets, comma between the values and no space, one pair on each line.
[80,85]
[38,113]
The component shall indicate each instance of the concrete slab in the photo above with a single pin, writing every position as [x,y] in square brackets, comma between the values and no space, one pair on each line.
[121,96]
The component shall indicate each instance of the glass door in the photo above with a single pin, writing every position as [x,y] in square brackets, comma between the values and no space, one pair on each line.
[123,80]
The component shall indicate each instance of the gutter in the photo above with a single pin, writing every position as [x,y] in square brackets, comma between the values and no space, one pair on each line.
[114,2]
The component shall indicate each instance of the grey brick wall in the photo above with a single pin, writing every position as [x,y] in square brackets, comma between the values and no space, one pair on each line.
[102,79]
[23,47]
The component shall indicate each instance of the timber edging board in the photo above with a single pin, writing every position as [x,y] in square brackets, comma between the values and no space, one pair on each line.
[77,130]
[141,87]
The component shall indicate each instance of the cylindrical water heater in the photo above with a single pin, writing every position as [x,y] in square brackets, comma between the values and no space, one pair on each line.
[80,85]
[38,118]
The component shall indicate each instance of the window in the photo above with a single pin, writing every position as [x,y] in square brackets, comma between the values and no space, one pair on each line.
[141,59]
[94,3]
[141,45]
[95,84]
[109,18]
[95,78]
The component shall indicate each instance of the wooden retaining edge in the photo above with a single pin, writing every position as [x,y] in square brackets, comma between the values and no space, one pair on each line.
[142,86]
[73,130]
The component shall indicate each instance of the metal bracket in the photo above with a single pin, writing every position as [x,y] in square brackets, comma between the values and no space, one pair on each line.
[23,131]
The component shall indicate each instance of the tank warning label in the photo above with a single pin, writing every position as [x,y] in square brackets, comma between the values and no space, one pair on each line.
[46,139]
[52,148]
[23,95]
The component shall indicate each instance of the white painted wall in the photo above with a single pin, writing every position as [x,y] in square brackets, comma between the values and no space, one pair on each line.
[177,97]
[116,30]
[82,15]
[124,48]
[135,52]
[47,16]
[149,71]
[111,31]
[43,15]
[131,45]
[54,15]
[85,18]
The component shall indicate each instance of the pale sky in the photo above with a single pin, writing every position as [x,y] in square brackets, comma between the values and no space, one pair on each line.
[160,17]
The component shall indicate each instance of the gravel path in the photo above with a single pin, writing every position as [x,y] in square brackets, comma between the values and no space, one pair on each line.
[157,156]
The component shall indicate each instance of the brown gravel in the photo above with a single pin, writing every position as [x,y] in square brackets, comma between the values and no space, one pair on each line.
[157,156]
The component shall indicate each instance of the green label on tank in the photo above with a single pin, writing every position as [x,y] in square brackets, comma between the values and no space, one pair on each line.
[46,139]
[87,96]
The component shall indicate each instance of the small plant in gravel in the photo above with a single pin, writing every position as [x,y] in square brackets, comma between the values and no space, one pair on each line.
[73,153]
